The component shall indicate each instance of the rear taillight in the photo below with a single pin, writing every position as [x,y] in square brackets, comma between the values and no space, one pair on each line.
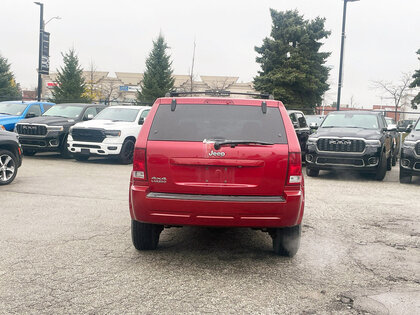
[139,164]
[294,173]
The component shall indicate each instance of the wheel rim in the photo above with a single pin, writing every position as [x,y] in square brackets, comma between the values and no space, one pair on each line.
[129,150]
[7,167]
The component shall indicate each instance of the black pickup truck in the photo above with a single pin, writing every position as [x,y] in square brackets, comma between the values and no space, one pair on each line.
[355,140]
[48,133]
[410,155]
[10,156]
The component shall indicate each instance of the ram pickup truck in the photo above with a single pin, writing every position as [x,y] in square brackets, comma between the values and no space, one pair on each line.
[11,112]
[112,133]
[49,132]
[410,155]
[352,140]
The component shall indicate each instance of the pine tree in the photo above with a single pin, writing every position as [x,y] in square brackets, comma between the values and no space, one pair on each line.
[9,90]
[292,67]
[416,83]
[70,82]
[157,78]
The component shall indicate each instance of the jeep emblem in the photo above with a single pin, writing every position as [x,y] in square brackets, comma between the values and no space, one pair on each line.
[220,154]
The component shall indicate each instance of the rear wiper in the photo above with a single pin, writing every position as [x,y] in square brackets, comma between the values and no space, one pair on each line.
[234,143]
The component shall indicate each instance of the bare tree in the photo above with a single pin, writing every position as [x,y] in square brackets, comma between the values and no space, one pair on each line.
[395,91]
[91,80]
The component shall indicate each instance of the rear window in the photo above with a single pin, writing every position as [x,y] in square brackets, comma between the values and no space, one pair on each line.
[227,122]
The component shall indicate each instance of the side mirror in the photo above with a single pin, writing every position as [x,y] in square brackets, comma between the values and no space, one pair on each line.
[30,115]
[295,125]
[90,116]
[392,127]
[141,121]
[313,126]
[409,127]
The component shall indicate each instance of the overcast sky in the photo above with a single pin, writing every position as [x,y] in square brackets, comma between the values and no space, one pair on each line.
[382,37]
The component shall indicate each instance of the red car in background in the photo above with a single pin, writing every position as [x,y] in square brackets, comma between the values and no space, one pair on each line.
[219,162]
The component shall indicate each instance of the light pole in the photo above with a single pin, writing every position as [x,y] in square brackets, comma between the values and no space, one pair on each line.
[41,31]
[340,71]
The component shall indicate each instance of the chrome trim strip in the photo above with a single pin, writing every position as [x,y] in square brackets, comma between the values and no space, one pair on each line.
[340,152]
[216,197]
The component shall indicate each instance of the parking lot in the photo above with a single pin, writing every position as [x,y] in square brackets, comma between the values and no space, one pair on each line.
[65,247]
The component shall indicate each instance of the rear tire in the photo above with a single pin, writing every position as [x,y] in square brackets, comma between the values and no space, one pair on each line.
[405,177]
[389,162]
[8,167]
[286,240]
[394,159]
[145,236]
[311,172]
[64,151]
[127,151]
[382,167]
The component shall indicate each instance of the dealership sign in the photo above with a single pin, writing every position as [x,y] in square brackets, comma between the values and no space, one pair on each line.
[129,88]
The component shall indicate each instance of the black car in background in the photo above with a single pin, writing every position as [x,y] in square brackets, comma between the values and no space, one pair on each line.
[10,157]
[301,128]
[410,155]
[354,140]
[48,133]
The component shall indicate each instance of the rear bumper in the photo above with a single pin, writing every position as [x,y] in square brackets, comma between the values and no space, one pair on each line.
[228,211]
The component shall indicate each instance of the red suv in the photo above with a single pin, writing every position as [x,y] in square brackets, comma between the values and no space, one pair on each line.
[220,162]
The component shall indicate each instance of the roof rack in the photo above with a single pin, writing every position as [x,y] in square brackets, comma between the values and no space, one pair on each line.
[220,93]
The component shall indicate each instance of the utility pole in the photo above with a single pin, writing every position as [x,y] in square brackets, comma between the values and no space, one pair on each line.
[343,35]
[41,33]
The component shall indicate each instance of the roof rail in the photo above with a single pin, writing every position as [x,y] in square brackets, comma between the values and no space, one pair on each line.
[220,93]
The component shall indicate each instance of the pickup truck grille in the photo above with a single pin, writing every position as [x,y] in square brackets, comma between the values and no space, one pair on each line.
[341,145]
[33,130]
[88,135]
[418,148]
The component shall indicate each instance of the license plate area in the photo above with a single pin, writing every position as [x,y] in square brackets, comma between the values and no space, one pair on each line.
[85,151]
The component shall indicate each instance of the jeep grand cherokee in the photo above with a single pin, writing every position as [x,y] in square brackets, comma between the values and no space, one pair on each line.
[217,162]
[356,140]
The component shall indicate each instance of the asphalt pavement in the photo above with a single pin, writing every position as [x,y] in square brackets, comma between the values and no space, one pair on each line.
[65,248]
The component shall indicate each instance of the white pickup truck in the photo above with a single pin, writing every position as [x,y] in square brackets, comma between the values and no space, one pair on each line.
[113,133]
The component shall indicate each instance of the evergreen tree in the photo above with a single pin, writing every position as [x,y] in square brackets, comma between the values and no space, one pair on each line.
[9,90]
[416,83]
[157,79]
[292,68]
[70,82]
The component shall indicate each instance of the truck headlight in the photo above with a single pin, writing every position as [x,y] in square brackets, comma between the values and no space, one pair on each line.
[312,140]
[55,128]
[113,133]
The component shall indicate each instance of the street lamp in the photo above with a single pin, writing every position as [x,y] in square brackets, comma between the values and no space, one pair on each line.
[41,31]
[340,71]
[54,17]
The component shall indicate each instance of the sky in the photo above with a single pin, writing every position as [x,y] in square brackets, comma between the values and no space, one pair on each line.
[382,37]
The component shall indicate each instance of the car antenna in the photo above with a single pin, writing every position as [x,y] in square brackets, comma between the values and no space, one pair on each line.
[264,107]
[173,105]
